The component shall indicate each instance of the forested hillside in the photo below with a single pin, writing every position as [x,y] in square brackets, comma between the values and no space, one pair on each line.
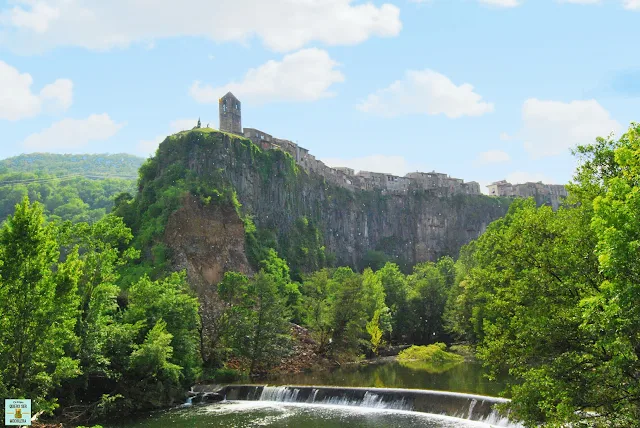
[120,165]
[71,187]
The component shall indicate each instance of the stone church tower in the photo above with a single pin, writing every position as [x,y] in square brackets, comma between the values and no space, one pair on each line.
[230,114]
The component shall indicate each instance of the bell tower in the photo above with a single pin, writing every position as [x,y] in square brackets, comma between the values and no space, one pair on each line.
[230,114]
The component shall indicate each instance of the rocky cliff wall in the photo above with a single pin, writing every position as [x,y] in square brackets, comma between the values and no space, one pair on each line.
[413,227]
[207,241]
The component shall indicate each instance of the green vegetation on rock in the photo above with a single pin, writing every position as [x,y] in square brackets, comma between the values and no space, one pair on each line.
[434,354]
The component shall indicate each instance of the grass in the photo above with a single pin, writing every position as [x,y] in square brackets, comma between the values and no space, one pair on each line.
[434,354]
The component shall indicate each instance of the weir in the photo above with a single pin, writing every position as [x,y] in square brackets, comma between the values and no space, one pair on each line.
[465,406]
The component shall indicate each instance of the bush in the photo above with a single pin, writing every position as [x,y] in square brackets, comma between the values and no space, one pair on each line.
[434,354]
[223,375]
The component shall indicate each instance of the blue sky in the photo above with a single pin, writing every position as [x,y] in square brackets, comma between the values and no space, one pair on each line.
[480,89]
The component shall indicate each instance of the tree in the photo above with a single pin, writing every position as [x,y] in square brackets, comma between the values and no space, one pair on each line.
[427,299]
[612,316]
[374,330]
[171,300]
[216,314]
[348,312]
[38,307]
[103,249]
[396,291]
[317,316]
[554,296]
[260,330]
[376,309]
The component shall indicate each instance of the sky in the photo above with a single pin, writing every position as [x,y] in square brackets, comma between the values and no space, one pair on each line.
[482,90]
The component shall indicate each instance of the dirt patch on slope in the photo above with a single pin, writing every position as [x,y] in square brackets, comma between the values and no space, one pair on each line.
[207,241]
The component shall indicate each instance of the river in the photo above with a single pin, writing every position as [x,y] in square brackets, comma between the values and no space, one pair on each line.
[467,377]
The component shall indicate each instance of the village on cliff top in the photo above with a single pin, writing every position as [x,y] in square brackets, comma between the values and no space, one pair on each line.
[230,114]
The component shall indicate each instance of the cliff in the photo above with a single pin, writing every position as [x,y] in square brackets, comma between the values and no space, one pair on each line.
[229,178]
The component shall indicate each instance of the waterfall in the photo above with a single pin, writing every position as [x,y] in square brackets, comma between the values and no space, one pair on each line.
[312,396]
[285,394]
[471,406]
[187,403]
[282,394]
[464,406]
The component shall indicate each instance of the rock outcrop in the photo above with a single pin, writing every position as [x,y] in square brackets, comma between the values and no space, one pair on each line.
[208,240]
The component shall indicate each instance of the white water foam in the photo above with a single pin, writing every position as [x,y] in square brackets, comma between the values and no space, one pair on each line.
[497,420]
[283,394]
[374,402]
[233,406]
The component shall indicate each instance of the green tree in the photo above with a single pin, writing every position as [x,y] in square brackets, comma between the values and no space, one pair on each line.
[171,300]
[260,330]
[376,307]
[315,300]
[427,299]
[103,249]
[396,299]
[38,307]
[375,260]
[348,313]
[156,380]
[374,330]
[612,316]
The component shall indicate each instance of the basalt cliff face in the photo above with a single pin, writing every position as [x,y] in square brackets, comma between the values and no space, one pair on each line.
[206,238]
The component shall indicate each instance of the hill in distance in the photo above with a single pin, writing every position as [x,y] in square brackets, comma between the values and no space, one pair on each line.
[120,165]
[71,187]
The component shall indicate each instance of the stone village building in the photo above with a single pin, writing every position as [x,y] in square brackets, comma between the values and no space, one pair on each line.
[231,121]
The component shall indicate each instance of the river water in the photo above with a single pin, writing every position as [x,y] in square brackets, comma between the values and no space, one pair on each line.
[245,414]
[467,377]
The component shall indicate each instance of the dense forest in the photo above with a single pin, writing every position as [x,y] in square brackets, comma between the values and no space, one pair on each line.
[551,297]
[71,187]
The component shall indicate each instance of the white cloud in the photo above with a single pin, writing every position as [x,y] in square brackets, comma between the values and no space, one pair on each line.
[553,127]
[501,3]
[70,134]
[59,93]
[631,4]
[17,101]
[305,75]
[282,25]
[627,4]
[425,92]
[396,165]
[37,19]
[493,156]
